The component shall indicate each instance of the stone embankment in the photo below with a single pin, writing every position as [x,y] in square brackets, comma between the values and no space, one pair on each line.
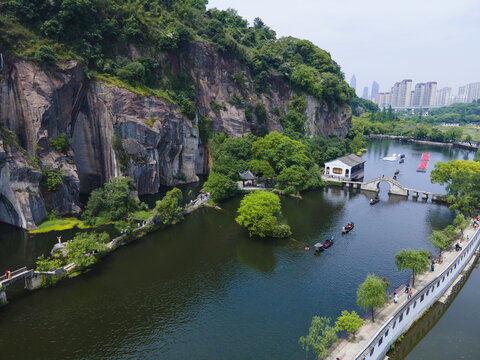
[373,340]
[33,279]
[461,145]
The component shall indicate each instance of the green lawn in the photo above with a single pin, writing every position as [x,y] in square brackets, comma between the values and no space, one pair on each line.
[59,225]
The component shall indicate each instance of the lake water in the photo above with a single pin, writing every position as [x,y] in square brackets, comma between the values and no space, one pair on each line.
[203,290]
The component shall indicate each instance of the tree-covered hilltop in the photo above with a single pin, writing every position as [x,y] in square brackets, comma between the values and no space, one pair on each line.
[100,32]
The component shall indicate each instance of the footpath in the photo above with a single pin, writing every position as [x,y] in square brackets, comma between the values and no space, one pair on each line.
[348,348]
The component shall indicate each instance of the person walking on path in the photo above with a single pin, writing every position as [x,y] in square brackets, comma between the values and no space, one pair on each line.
[407,286]
[395,298]
[409,296]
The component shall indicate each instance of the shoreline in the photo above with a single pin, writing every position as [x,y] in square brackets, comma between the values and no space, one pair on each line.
[402,138]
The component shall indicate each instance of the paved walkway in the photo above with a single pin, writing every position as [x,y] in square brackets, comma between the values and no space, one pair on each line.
[349,349]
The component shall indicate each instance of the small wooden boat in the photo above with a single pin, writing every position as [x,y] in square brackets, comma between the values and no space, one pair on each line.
[328,243]
[402,161]
[349,227]
[402,156]
[374,201]
[397,172]
[394,177]
[318,248]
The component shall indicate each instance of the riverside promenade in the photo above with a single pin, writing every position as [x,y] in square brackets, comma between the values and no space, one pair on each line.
[374,338]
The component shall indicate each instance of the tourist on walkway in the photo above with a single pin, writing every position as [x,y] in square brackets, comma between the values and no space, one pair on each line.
[395,298]
[407,286]
[410,292]
[432,267]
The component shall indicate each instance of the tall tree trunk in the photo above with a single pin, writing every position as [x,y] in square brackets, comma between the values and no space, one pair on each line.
[413,279]
[372,314]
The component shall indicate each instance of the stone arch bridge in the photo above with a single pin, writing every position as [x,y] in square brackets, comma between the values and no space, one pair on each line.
[396,188]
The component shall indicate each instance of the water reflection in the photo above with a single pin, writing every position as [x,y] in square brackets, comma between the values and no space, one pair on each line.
[257,254]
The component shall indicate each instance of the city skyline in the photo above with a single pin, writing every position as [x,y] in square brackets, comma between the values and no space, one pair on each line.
[421,40]
[404,95]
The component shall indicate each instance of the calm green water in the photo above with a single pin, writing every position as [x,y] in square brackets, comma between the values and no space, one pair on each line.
[203,290]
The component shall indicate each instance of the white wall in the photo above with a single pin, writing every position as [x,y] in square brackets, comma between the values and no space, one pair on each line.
[413,309]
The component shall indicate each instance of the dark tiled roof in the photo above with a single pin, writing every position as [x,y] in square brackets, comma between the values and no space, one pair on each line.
[247,175]
[351,160]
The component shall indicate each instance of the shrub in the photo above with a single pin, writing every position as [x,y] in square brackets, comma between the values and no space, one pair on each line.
[44,56]
[216,107]
[133,72]
[51,179]
[261,113]
[236,100]
[61,143]
[248,112]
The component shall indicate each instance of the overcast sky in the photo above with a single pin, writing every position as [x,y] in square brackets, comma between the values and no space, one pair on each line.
[386,41]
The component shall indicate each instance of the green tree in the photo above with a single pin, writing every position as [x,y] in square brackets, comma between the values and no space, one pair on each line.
[259,212]
[112,203]
[52,179]
[460,222]
[294,178]
[439,240]
[220,186]
[321,336]
[372,293]
[170,207]
[262,169]
[444,172]
[415,260]
[349,322]
[84,246]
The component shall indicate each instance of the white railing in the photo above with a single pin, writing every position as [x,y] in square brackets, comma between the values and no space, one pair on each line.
[415,307]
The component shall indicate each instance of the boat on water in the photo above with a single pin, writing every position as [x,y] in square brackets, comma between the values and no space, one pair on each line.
[402,161]
[394,177]
[318,248]
[394,157]
[327,243]
[397,172]
[402,156]
[347,228]
[375,200]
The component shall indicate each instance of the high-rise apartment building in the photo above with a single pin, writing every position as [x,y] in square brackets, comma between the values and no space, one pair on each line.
[401,92]
[365,92]
[473,92]
[419,94]
[383,100]
[443,96]
[353,82]
[375,89]
[430,97]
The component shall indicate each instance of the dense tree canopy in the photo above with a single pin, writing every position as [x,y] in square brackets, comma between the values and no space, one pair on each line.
[111,203]
[97,30]
[259,212]
[463,183]
[170,207]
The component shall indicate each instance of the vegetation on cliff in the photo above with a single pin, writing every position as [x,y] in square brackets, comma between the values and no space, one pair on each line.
[101,32]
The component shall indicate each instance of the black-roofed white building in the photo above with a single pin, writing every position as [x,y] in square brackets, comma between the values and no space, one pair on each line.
[346,167]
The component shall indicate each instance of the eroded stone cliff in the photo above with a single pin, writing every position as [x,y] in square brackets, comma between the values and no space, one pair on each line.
[114,132]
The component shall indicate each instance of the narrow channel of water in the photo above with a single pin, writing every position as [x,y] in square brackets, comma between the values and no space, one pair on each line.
[203,290]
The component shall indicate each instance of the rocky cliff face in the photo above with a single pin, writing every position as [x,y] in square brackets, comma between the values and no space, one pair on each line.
[113,131]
